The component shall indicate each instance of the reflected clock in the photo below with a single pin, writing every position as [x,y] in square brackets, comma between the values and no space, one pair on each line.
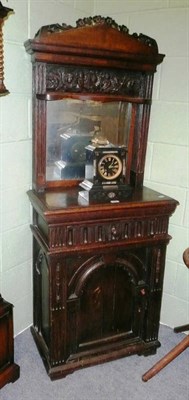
[105,174]
[73,154]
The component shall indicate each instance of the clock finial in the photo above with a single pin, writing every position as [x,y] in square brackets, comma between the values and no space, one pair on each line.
[98,138]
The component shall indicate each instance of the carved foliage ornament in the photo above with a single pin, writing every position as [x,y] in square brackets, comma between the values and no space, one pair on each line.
[93,21]
[82,22]
[87,80]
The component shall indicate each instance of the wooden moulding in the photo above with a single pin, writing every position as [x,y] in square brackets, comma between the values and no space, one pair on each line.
[96,41]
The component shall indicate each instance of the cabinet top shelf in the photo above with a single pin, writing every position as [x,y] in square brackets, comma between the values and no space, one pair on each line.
[65,203]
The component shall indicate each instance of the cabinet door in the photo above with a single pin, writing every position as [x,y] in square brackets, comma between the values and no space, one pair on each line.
[106,302]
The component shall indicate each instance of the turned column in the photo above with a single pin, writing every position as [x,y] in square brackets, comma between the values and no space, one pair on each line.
[4,11]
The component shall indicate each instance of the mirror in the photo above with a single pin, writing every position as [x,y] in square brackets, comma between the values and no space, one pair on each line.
[71,126]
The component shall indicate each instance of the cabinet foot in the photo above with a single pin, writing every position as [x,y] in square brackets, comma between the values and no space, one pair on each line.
[9,374]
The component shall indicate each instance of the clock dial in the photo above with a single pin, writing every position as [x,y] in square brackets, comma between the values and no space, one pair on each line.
[78,152]
[109,167]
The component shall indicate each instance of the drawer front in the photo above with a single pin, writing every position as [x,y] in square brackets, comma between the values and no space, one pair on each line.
[87,234]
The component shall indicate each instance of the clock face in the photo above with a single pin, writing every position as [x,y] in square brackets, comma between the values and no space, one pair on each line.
[109,167]
[77,152]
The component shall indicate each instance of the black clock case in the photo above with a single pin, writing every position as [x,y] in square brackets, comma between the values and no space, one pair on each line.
[95,187]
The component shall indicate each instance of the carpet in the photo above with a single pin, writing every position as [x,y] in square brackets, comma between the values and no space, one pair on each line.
[117,380]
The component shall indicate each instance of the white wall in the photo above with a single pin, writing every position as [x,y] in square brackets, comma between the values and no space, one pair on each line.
[167,166]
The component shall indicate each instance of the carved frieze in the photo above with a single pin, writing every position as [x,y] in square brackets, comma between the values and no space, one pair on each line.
[94,80]
[118,231]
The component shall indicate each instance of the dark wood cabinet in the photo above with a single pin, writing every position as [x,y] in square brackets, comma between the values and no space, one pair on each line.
[9,371]
[98,266]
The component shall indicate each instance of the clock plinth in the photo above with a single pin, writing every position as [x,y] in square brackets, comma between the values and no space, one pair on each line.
[101,193]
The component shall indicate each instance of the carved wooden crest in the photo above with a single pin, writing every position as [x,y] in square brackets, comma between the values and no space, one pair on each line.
[97,41]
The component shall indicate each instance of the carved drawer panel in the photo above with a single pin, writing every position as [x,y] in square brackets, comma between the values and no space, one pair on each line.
[106,232]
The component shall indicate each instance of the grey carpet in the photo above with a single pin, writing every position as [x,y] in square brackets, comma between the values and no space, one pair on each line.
[117,380]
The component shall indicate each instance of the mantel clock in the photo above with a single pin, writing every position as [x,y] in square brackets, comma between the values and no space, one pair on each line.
[99,236]
[105,173]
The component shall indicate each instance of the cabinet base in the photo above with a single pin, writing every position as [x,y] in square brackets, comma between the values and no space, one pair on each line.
[9,374]
[77,362]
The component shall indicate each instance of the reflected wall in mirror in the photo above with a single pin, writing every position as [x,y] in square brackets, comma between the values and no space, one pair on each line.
[72,125]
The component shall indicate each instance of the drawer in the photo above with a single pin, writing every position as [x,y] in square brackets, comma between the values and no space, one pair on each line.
[102,232]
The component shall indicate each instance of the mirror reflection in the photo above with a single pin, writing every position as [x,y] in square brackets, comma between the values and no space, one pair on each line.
[73,124]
